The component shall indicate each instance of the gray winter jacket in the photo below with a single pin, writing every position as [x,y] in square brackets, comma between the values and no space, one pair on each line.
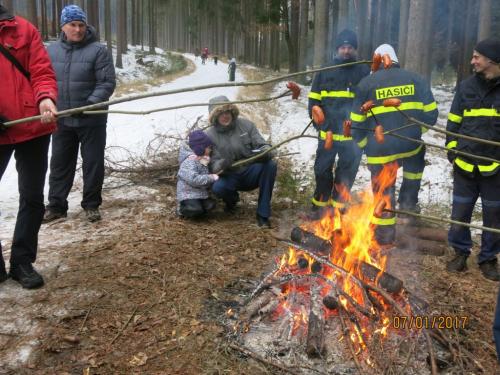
[85,75]
[239,140]
[193,178]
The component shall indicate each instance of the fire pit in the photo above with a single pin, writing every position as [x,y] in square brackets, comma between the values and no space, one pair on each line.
[328,306]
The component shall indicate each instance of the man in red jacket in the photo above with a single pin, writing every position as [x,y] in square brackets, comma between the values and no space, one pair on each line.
[29,88]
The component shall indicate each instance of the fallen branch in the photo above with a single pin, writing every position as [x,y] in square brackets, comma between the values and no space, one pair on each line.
[125,326]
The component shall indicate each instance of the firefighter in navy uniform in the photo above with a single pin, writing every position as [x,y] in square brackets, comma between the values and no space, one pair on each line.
[333,91]
[475,112]
[417,101]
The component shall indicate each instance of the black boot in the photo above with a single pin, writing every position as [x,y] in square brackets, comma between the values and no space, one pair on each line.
[457,264]
[490,269]
[52,215]
[263,222]
[3,272]
[26,275]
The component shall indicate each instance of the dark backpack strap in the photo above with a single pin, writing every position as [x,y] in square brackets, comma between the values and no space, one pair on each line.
[14,61]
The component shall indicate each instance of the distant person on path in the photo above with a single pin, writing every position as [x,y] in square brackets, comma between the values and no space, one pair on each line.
[204,55]
[196,53]
[236,138]
[216,59]
[85,75]
[29,88]
[232,69]
[475,112]
[194,178]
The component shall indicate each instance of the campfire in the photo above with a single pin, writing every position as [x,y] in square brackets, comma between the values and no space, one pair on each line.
[329,305]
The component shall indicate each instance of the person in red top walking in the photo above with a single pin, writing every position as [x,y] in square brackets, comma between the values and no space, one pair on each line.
[29,88]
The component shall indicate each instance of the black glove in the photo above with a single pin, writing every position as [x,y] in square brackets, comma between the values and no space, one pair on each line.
[2,126]
[451,156]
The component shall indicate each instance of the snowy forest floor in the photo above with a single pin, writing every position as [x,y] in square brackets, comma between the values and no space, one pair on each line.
[143,291]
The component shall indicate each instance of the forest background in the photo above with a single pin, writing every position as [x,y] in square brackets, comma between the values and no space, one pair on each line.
[431,37]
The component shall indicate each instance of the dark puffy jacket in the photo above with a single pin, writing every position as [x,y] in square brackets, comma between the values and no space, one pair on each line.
[475,112]
[416,100]
[334,91]
[20,96]
[85,75]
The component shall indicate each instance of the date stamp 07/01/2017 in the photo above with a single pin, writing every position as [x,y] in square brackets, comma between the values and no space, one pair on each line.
[429,322]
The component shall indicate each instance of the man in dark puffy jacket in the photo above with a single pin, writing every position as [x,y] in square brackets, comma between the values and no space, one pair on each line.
[236,138]
[385,156]
[475,112]
[85,75]
[25,95]
[334,91]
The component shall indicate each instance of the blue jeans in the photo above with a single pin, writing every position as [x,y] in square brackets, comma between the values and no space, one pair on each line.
[257,175]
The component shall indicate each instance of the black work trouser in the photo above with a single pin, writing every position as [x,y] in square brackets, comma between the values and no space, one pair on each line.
[65,143]
[195,208]
[31,165]
[466,191]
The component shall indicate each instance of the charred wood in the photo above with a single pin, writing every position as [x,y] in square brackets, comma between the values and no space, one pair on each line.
[315,344]
[383,279]
[311,241]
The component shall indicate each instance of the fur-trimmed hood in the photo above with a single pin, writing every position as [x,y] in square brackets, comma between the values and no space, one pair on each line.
[218,105]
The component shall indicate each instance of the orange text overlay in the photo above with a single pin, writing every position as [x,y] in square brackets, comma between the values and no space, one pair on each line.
[430,322]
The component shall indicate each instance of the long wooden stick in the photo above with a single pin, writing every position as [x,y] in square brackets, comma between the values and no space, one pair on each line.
[116,111]
[443,220]
[96,106]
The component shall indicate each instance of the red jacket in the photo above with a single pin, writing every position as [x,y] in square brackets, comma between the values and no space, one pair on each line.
[19,97]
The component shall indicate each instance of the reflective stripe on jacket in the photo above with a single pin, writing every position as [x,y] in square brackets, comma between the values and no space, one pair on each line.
[416,100]
[334,91]
[475,112]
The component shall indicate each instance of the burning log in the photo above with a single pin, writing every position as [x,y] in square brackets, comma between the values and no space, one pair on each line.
[311,241]
[315,344]
[330,302]
[384,280]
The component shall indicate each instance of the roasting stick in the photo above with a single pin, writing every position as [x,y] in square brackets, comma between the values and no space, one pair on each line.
[101,105]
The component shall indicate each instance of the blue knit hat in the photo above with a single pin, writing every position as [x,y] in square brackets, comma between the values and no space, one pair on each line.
[72,13]
[199,141]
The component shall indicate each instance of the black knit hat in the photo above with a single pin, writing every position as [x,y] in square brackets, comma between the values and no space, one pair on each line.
[489,48]
[346,36]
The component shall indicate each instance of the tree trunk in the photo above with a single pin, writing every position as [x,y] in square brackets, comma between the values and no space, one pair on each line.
[404,12]
[31,13]
[304,25]
[320,31]
[93,15]
[343,15]
[484,20]
[152,27]
[44,29]
[416,37]
[107,26]
[470,21]
[361,9]
[9,5]
[120,34]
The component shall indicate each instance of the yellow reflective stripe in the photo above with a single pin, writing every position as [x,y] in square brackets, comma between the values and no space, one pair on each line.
[488,168]
[491,112]
[383,221]
[455,118]
[430,107]
[451,144]
[412,176]
[337,94]
[390,158]
[337,204]
[363,142]
[402,107]
[319,203]
[336,137]
[358,118]
[470,167]
[314,95]
[464,165]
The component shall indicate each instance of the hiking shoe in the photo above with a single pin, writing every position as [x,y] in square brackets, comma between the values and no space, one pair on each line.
[93,214]
[263,222]
[52,215]
[490,270]
[457,264]
[26,275]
